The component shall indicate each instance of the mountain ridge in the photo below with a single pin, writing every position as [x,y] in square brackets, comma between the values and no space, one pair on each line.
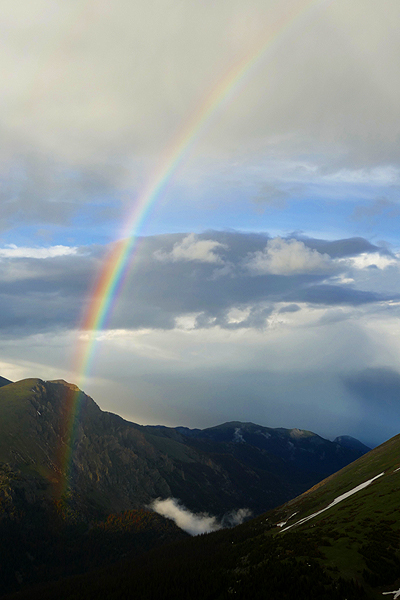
[120,465]
[340,540]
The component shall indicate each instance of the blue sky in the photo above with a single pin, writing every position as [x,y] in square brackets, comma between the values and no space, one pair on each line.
[266,285]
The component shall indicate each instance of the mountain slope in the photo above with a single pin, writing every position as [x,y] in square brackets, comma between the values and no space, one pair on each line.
[349,442]
[50,529]
[339,540]
[116,465]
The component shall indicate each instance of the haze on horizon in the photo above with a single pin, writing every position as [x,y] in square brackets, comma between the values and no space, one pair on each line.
[265,286]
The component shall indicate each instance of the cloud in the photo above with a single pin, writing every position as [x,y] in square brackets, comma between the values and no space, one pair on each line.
[288,374]
[378,208]
[373,259]
[38,295]
[13,251]
[381,175]
[287,257]
[332,295]
[196,524]
[40,190]
[271,195]
[236,517]
[192,249]
[112,84]
[341,248]
[378,391]
[290,308]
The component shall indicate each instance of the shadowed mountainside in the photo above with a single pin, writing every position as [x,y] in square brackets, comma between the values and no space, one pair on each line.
[116,465]
[339,540]
[62,502]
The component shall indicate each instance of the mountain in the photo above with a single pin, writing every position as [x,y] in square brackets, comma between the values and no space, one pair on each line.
[304,449]
[117,465]
[4,381]
[349,442]
[339,540]
[67,507]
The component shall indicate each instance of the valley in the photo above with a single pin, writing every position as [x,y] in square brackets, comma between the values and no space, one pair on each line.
[325,514]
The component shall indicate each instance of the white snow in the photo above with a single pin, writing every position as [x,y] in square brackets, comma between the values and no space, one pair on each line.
[396,594]
[288,519]
[336,501]
[238,437]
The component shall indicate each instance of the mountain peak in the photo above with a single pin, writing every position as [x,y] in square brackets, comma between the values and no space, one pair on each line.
[71,386]
[347,441]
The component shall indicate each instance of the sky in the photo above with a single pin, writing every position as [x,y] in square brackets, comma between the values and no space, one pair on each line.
[264,285]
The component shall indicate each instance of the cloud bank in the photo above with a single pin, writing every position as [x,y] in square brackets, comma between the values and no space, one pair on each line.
[197,342]
[96,94]
[215,279]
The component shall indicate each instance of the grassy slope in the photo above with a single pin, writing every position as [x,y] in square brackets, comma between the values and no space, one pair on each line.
[18,426]
[364,529]
[350,551]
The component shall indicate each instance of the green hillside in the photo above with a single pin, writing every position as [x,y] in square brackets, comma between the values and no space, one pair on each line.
[349,550]
[48,530]
[117,465]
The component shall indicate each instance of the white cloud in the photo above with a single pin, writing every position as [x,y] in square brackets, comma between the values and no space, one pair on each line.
[287,257]
[13,251]
[370,259]
[197,523]
[237,315]
[387,175]
[192,249]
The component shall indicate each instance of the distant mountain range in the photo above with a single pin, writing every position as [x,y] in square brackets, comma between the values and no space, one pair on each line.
[119,468]
[117,465]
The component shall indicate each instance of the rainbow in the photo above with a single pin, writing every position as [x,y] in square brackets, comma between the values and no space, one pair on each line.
[116,264]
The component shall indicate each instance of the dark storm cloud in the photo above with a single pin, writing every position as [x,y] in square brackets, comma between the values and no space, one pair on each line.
[290,308]
[332,295]
[378,393]
[379,387]
[41,294]
[342,248]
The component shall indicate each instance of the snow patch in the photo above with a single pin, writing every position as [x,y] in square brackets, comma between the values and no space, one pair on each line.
[238,437]
[396,594]
[288,519]
[336,501]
